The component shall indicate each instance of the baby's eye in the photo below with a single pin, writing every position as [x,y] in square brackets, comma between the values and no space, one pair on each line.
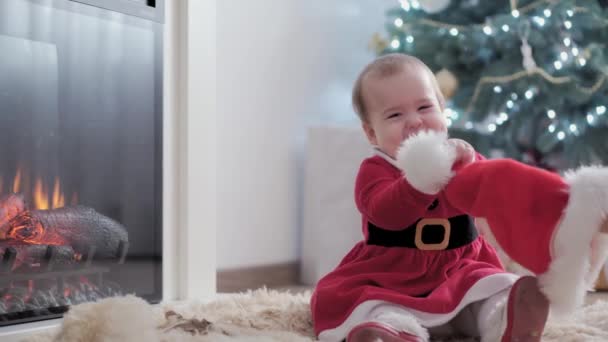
[425,107]
[394,115]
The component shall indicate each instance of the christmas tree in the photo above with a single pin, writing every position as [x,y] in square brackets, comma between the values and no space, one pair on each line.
[523,79]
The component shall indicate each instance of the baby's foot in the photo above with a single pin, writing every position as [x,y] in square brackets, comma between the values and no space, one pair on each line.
[527,311]
[374,331]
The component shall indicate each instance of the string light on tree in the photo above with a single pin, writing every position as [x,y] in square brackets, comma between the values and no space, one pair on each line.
[558,65]
[540,21]
[582,61]
[502,118]
[574,51]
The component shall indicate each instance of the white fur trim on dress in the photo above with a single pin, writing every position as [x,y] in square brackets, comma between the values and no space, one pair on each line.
[564,283]
[426,160]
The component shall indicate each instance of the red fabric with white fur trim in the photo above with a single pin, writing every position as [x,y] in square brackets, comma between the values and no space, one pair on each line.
[522,204]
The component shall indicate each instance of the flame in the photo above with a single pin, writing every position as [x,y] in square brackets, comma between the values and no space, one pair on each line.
[17,181]
[21,226]
[41,196]
[58,196]
[43,199]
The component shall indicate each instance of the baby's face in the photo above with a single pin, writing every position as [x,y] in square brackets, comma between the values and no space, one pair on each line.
[399,106]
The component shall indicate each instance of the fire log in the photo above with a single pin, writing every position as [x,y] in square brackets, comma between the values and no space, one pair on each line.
[11,206]
[77,226]
[38,255]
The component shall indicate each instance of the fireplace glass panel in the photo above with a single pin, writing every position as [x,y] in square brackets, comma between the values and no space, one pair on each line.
[80,157]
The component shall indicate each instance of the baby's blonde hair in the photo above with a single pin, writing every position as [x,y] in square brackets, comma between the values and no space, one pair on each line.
[389,65]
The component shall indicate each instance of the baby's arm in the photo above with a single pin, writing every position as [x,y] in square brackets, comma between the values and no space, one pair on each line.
[388,202]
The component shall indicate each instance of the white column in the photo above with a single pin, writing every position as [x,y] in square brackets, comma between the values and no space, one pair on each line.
[190,150]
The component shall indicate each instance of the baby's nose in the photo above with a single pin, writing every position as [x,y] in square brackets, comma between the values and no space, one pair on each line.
[414,123]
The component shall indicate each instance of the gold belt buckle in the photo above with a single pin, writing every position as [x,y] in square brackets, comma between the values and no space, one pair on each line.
[433,246]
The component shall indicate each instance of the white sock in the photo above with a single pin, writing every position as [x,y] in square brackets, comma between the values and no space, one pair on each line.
[399,320]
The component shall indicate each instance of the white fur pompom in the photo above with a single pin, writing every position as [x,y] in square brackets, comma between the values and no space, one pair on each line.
[426,160]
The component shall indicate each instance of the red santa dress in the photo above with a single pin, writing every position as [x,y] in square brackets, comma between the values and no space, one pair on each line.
[407,258]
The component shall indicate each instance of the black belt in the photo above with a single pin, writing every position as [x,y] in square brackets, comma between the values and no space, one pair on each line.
[426,234]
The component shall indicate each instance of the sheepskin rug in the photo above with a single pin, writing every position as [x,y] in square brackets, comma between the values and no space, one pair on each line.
[260,315]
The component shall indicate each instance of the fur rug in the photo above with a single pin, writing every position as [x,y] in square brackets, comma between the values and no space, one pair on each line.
[261,315]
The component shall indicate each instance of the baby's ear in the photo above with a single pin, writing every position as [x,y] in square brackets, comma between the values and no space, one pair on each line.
[370,133]
[426,160]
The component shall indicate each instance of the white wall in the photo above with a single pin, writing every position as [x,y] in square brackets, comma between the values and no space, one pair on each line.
[281,65]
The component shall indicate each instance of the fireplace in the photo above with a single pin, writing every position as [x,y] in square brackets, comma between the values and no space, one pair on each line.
[80,154]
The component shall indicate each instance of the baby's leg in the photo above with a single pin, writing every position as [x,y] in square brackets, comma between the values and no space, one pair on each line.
[483,318]
[516,314]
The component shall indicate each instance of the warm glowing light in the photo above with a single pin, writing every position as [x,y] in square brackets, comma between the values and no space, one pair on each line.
[17,181]
[58,196]
[41,197]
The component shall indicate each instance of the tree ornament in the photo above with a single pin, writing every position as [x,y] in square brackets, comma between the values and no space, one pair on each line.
[528,61]
[448,83]
[434,6]
[378,44]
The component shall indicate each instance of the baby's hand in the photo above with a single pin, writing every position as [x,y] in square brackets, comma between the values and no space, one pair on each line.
[465,154]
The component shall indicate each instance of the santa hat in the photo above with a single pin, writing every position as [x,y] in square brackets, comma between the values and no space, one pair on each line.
[542,221]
